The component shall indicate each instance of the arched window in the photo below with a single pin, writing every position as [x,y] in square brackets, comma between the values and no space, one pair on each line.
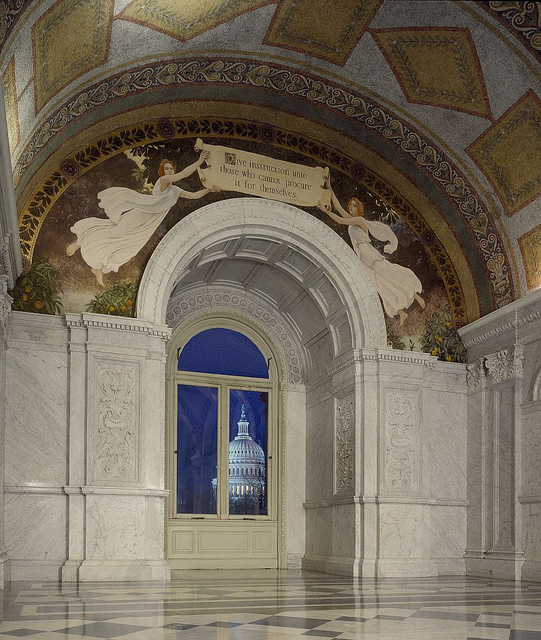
[222,445]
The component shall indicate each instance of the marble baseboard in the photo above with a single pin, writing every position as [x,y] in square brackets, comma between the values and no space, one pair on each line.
[407,568]
[332,564]
[5,572]
[124,570]
[531,571]
[36,570]
[491,567]
[451,566]
[70,570]
[294,561]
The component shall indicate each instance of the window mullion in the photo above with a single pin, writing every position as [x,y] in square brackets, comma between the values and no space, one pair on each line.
[224,453]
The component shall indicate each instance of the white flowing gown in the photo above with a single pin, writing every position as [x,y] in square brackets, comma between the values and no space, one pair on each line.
[395,284]
[132,218]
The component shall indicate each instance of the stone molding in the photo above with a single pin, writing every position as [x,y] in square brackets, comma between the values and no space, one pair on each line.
[5,303]
[400,441]
[507,364]
[114,430]
[87,320]
[432,502]
[476,374]
[344,444]
[216,299]
[6,268]
[33,489]
[506,320]
[239,217]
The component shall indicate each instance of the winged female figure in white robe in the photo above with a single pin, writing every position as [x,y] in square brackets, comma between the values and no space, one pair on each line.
[397,286]
[132,217]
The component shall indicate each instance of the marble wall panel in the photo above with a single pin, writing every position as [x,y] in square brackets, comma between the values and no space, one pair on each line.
[403,531]
[152,433]
[531,520]
[35,527]
[343,531]
[36,416]
[447,444]
[476,480]
[447,532]
[115,527]
[154,530]
[319,448]
[319,532]
[295,467]
[531,450]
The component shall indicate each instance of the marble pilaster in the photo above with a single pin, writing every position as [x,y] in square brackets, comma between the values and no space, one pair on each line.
[5,307]
[504,409]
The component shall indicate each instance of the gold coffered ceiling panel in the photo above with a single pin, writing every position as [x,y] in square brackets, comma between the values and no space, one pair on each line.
[319,28]
[437,67]
[184,19]
[509,153]
[71,38]
[10,99]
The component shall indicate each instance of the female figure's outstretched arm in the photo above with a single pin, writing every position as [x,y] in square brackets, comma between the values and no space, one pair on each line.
[195,195]
[185,173]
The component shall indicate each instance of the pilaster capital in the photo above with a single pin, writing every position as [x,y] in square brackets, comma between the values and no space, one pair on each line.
[5,303]
[476,375]
[506,364]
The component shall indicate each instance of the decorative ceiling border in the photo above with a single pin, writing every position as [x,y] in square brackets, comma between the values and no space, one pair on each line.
[522,19]
[10,12]
[48,192]
[334,97]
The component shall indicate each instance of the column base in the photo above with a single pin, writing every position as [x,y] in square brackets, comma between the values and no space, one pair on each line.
[70,570]
[531,571]
[124,571]
[332,564]
[5,571]
[500,565]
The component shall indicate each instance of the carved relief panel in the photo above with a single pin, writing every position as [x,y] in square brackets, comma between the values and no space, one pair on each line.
[114,426]
[344,444]
[401,447]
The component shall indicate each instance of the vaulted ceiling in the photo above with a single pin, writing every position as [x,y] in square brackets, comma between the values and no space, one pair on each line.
[433,106]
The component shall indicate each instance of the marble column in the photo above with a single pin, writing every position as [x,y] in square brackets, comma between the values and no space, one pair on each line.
[5,308]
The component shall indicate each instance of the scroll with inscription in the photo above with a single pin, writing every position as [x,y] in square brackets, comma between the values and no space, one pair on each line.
[235,170]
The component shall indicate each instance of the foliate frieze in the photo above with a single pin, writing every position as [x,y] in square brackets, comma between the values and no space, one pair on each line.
[506,364]
[401,441]
[115,428]
[344,444]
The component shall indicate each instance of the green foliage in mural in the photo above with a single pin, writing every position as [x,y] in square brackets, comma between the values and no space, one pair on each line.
[117,301]
[38,290]
[394,340]
[441,338]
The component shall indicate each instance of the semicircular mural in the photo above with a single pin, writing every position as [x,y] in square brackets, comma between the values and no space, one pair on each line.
[88,230]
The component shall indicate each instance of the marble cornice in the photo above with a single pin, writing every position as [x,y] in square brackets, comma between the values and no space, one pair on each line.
[91,320]
[354,499]
[506,320]
[53,489]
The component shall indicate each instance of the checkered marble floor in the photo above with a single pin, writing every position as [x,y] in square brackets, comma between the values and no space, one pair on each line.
[265,605]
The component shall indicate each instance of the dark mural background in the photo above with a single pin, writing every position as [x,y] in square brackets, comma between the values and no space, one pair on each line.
[57,283]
